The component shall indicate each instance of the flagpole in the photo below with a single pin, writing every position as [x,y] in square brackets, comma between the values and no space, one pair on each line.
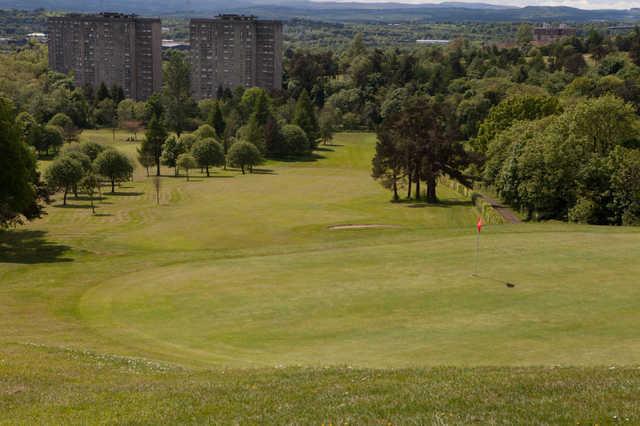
[477,252]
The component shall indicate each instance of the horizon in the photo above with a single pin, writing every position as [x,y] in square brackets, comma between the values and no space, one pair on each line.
[579,4]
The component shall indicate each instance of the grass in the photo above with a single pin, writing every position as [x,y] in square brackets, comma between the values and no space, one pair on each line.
[234,301]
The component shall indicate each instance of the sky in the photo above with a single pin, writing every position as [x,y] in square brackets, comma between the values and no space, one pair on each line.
[582,4]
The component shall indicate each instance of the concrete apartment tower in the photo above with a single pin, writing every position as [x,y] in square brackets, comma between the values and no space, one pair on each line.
[109,48]
[234,50]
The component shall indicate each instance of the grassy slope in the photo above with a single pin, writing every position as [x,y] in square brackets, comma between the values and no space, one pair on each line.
[243,271]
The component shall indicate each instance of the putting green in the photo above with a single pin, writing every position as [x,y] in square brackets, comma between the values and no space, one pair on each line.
[387,304]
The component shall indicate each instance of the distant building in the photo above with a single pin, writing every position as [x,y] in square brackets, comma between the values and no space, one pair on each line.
[39,37]
[175,45]
[234,50]
[548,34]
[432,41]
[110,48]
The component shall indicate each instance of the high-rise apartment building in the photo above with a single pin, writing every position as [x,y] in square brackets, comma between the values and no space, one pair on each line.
[235,50]
[110,48]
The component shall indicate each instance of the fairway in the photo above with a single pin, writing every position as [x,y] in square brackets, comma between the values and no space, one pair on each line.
[246,271]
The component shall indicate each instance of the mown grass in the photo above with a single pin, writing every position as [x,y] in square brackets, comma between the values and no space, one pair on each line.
[234,272]
[47,385]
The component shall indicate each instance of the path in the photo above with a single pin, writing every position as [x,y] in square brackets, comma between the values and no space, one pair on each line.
[504,211]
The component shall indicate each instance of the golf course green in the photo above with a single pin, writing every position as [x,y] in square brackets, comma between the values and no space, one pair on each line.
[236,272]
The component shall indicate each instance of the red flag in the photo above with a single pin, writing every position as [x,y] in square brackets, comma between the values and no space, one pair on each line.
[480,224]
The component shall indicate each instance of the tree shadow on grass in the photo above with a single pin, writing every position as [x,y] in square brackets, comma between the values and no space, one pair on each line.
[263,171]
[30,247]
[413,204]
[72,206]
[309,158]
[124,194]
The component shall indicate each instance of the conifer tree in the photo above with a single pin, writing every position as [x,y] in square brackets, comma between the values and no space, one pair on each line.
[305,117]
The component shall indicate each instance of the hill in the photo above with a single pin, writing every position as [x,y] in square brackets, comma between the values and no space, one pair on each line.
[339,12]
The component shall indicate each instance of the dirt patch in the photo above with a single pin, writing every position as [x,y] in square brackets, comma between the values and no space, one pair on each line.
[362,226]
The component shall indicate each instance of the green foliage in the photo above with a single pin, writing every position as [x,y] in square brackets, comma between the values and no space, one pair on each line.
[208,152]
[570,166]
[187,162]
[115,166]
[244,154]
[171,151]
[153,142]
[91,149]
[205,132]
[216,119]
[294,141]
[64,174]
[515,108]
[305,117]
[18,174]
[178,105]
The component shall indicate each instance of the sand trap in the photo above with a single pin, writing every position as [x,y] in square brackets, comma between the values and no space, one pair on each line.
[362,226]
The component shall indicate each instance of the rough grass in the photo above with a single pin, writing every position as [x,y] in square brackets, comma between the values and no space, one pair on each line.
[144,313]
[41,385]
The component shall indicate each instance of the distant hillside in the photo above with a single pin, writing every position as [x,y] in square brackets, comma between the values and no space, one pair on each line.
[454,12]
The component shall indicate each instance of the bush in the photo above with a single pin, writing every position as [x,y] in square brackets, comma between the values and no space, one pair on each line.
[585,211]
[294,141]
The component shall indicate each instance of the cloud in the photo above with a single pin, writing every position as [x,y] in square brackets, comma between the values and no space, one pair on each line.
[582,4]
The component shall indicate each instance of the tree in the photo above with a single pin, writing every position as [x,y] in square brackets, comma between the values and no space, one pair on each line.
[186,162]
[145,159]
[244,154]
[510,110]
[326,125]
[428,126]
[179,106]
[114,166]
[49,137]
[604,122]
[91,149]
[217,120]
[154,141]
[294,140]
[105,113]
[305,117]
[69,131]
[84,161]
[208,152]
[524,36]
[102,93]
[387,164]
[171,151]
[204,132]
[64,174]
[19,179]
[90,184]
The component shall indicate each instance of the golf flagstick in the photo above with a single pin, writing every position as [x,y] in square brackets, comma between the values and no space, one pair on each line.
[479,226]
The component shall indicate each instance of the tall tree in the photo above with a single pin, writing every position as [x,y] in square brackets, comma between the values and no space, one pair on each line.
[217,120]
[428,124]
[19,179]
[305,117]
[179,106]
[388,162]
[153,142]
